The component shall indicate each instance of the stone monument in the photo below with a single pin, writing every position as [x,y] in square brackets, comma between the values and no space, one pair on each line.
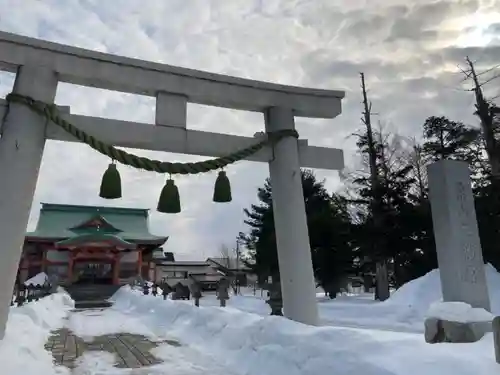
[275,300]
[166,289]
[496,337]
[456,234]
[222,291]
[195,289]
[459,254]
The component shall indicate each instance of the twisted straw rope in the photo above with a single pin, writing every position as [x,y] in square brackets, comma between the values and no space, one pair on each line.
[50,112]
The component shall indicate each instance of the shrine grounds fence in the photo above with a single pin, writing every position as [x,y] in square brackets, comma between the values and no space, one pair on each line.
[24,294]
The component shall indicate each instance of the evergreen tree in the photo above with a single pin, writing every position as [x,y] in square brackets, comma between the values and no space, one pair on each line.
[328,224]
[446,139]
[333,255]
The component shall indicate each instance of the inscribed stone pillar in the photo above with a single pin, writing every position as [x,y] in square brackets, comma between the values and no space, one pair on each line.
[456,234]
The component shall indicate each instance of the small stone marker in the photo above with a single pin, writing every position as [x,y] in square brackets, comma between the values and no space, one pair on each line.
[165,290]
[496,337]
[181,292]
[275,300]
[222,291]
[458,247]
[195,289]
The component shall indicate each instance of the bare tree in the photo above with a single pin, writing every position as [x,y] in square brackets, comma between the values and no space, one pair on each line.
[489,116]
[225,254]
[418,161]
[381,274]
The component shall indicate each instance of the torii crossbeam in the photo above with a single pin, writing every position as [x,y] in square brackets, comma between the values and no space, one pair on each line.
[40,65]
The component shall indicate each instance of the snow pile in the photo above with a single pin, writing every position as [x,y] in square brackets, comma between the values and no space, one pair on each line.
[458,312]
[28,328]
[38,279]
[405,311]
[255,345]
[418,295]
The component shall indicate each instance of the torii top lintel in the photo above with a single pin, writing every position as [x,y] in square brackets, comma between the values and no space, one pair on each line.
[89,68]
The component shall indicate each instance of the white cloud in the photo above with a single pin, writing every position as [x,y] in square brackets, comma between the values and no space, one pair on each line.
[408,50]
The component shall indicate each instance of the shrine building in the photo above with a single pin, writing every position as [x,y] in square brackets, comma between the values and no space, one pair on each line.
[90,245]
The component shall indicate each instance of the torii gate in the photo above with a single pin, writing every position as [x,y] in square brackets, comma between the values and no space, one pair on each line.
[40,65]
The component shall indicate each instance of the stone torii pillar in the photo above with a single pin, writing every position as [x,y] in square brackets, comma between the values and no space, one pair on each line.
[21,149]
[290,223]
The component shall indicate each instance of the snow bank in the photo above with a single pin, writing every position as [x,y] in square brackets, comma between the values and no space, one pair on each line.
[28,328]
[38,279]
[255,345]
[405,311]
[458,312]
[421,293]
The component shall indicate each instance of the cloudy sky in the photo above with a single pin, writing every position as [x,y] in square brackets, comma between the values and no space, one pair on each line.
[409,51]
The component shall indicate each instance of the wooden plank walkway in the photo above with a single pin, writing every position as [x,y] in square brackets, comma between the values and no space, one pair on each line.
[130,351]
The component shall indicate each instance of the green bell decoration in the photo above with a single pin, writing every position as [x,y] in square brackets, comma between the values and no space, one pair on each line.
[111,183]
[169,202]
[222,189]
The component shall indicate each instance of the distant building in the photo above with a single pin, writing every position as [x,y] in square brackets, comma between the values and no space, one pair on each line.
[90,245]
[207,272]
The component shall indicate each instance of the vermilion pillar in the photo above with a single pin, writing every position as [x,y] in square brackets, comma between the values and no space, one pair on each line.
[139,262]
[116,269]
[70,266]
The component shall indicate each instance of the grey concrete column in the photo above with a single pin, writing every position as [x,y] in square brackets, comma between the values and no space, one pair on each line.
[21,149]
[292,237]
[496,337]
[456,233]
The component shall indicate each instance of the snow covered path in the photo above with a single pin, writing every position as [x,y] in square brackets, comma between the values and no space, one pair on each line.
[102,342]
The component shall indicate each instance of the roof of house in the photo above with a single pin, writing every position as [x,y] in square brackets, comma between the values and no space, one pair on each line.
[169,256]
[229,263]
[64,222]
[182,263]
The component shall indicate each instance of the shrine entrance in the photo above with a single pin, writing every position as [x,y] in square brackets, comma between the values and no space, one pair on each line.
[100,266]
[30,118]
[87,272]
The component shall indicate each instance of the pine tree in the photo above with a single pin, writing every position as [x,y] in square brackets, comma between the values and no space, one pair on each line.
[328,224]
[446,139]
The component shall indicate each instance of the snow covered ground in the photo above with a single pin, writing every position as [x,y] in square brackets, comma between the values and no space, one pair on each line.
[359,336]
[22,349]
[405,311]
[253,344]
[177,360]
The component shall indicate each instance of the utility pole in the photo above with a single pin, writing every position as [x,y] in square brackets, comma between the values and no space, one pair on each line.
[238,266]
[381,274]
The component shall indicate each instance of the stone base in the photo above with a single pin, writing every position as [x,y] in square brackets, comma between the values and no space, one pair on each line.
[438,330]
